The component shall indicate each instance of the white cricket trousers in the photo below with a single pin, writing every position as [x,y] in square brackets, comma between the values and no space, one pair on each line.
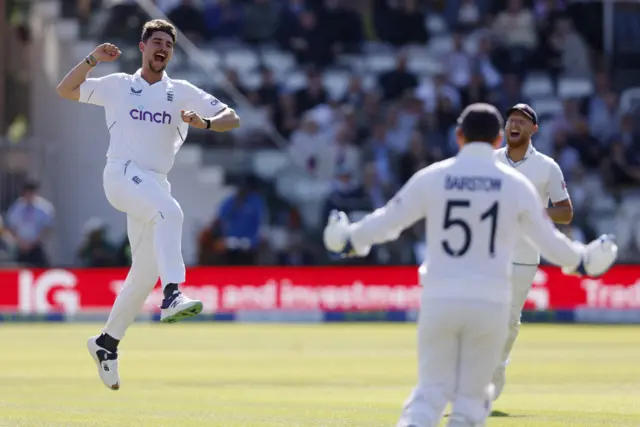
[459,346]
[521,280]
[154,228]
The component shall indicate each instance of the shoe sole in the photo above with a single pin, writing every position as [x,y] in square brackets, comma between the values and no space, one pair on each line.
[90,344]
[191,311]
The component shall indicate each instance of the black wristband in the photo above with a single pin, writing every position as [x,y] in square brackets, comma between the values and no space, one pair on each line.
[208,122]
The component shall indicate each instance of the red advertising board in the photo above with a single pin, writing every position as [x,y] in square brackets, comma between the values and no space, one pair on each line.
[230,289]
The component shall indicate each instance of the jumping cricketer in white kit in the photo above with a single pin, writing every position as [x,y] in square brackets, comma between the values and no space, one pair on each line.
[546,176]
[476,210]
[148,115]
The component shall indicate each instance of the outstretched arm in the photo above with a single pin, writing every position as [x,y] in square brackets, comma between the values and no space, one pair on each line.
[69,87]
[386,224]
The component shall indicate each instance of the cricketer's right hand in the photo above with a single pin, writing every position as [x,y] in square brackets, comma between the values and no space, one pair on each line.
[106,52]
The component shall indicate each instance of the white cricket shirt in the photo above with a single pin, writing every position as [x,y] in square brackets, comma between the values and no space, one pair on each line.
[144,120]
[476,210]
[546,176]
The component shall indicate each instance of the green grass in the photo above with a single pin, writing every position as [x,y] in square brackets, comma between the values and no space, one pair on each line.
[300,375]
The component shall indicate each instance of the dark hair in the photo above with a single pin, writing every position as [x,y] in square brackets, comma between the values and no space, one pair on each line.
[480,122]
[31,185]
[161,25]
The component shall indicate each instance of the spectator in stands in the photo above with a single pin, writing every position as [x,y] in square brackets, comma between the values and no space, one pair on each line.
[346,155]
[604,123]
[475,91]
[415,158]
[7,247]
[431,92]
[309,150]
[468,16]
[240,218]
[30,222]
[588,146]
[570,115]
[269,90]
[234,79]
[400,23]
[354,94]
[288,239]
[343,24]
[124,22]
[313,94]
[483,63]
[565,155]
[398,130]
[397,82]
[600,103]
[516,30]
[96,250]
[256,119]
[347,193]
[458,63]
[621,170]
[376,189]
[628,135]
[378,155]
[446,115]
[310,42]
[286,114]
[260,21]
[371,112]
[223,19]
[190,20]
[573,49]
[548,12]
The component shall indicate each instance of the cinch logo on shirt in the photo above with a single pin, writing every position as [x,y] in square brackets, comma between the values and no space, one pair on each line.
[148,116]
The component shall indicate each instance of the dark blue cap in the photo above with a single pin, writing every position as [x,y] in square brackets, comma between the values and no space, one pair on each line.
[526,110]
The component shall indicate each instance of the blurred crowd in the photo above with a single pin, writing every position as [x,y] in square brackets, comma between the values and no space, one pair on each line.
[365,141]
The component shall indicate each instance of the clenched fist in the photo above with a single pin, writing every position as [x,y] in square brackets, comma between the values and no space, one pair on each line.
[193,119]
[106,52]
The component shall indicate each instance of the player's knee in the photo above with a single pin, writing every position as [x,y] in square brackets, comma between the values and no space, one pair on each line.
[170,212]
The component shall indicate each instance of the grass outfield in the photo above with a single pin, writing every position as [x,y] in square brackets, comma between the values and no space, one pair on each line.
[300,375]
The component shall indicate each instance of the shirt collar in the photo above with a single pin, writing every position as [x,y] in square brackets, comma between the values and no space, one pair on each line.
[529,153]
[476,149]
[138,76]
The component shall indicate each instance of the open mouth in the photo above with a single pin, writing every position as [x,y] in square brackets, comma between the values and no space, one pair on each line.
[514,134]
[160,57]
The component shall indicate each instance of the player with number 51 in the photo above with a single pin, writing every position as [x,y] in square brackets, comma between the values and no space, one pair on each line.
[476,209]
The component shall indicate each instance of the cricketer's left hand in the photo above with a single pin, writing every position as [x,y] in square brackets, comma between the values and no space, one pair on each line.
[336,236]
[193,119]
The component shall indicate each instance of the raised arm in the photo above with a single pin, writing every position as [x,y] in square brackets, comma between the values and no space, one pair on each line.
[69,87]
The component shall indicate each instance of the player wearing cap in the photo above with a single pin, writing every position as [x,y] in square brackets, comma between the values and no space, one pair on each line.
[546,176]
[476,210]
[148,115]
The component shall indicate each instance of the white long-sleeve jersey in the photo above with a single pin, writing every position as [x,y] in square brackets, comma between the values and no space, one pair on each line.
[476,209]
